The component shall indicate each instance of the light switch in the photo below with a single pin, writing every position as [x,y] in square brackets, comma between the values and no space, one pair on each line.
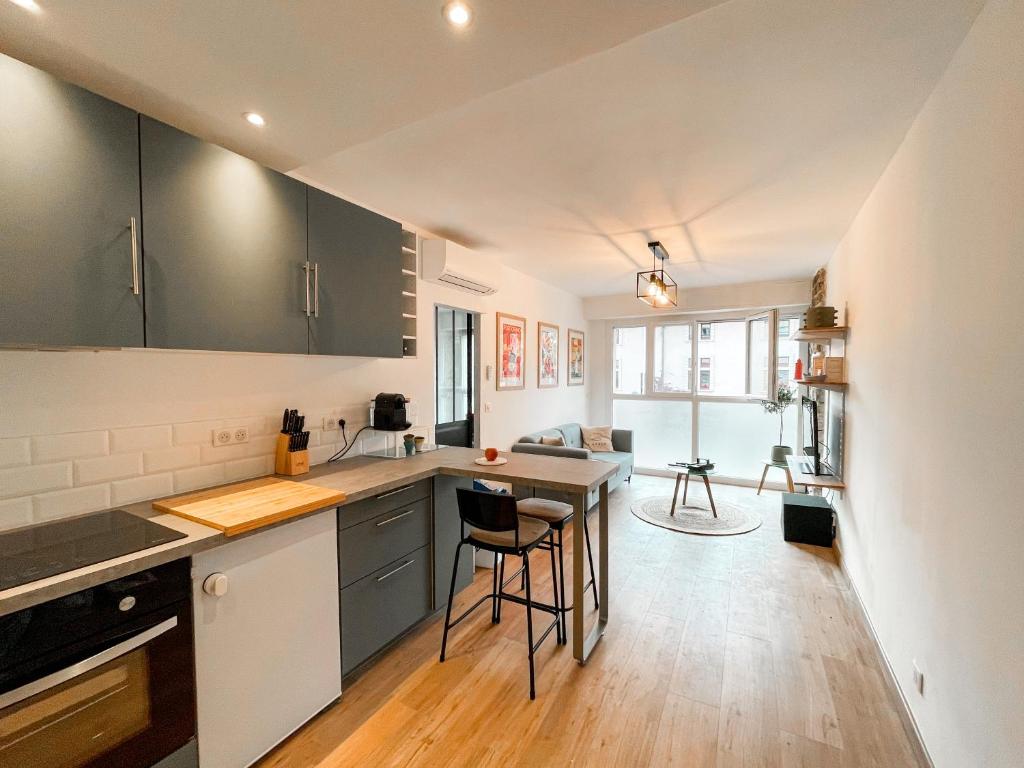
[488,407]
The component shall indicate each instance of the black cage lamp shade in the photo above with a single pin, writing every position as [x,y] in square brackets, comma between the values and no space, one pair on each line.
[655,287]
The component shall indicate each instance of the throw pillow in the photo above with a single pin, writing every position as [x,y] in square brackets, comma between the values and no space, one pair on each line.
[598,439]
[557,440]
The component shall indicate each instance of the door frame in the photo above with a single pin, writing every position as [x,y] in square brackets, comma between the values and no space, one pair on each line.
[475,373]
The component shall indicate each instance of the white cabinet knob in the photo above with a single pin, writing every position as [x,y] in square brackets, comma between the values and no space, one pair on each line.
[216,584]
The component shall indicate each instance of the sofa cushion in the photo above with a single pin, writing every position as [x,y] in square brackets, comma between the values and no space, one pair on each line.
[559,440]
[615,457]
[528,439]
[573,435]
[598,438]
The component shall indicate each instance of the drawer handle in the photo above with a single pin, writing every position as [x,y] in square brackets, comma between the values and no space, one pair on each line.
[392,493]
[392,573]
[396,517]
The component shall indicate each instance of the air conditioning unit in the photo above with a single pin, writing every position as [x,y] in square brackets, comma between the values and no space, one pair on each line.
[452,265]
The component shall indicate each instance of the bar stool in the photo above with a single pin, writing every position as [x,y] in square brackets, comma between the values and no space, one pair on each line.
[495,526]
[556,514]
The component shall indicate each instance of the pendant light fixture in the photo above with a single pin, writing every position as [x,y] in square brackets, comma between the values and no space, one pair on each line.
[655,287]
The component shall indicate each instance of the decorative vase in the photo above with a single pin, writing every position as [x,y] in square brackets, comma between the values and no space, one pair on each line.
[780,452]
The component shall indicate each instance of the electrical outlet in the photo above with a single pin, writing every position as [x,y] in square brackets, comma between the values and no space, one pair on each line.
[222,437]
[241,435]
[330,423]
[918,678]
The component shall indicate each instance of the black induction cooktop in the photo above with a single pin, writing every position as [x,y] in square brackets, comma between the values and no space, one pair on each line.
[33,553]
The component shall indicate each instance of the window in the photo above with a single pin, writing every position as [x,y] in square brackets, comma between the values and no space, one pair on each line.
[726,345]
[759,351]
[783,370]
[629,355]
[672,349]
[788,351]
[662,429]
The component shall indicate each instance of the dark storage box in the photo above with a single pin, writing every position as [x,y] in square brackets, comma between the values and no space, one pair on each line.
[807,519]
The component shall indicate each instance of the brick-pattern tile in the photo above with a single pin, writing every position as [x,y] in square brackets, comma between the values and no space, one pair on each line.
[141,488]
[75,501]
[198,477]
[14,452]
[15,513]
[115,467]
[166,459]
[195,432]
[140,438]
[243,469]
[74,445]
[26,481]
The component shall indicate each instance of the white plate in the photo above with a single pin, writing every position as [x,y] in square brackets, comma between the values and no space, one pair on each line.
[497,462]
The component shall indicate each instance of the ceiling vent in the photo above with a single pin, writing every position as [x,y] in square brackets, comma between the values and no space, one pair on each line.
[452,265]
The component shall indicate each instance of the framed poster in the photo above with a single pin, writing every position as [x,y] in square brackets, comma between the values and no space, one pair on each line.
[574,375]
[510,343]
[547,355]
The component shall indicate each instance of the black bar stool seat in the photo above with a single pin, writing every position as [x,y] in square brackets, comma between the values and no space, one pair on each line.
[531,532]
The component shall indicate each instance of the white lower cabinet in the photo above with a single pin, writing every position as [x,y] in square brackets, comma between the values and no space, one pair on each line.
[267,648]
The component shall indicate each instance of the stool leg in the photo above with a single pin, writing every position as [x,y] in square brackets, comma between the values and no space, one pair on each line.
[494,592]
[590,558]
[761,484]
[451,598]
[529,621]
[686,487]
[789,481]
[554,588]
[501,582]
[675,493]
[561,584]
[707,484]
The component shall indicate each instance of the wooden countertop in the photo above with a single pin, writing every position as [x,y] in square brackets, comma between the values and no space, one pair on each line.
[358,478]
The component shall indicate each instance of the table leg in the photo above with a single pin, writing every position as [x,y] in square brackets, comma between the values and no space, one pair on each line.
[583,646]
[675,493]
[761,484]
[707,484]
[686,487]
[789,480]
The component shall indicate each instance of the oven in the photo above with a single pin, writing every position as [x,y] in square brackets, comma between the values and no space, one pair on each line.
[102,677]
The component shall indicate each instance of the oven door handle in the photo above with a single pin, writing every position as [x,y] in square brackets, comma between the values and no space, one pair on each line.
[85,665]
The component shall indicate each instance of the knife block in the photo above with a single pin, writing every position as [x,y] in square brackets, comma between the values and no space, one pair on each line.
[290,462]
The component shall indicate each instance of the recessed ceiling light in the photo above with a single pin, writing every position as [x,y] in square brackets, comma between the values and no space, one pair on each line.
[28,5]
[458,14]
[254,118]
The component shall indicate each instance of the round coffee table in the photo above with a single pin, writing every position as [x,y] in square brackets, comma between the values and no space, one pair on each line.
[687,472]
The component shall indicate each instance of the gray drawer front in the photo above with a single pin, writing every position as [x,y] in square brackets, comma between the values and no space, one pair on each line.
[360,511]
[378,608]
[372,544]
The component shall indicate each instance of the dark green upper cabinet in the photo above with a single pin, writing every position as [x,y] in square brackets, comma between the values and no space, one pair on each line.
[224,243]
[356,280]
[69,190]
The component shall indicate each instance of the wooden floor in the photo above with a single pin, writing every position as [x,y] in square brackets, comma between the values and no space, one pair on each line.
[720,651]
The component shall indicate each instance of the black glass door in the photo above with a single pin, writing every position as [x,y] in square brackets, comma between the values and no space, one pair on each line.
[455,374]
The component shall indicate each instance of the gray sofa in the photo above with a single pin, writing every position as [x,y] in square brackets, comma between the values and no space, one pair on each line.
[622,443]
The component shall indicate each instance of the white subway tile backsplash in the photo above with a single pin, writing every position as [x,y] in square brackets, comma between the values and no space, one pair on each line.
[75,501]
[322,453]
[140,438]
[198,477]
[14,452]
[195,432]
[166,459]
[243,469]
[216,454]
[26,481]
[74,445]
[113,467]
[141,488]
[15,513]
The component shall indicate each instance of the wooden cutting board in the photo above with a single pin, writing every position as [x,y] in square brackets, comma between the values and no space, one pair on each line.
[245,506]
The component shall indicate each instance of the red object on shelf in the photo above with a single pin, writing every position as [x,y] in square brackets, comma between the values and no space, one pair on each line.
[798,370]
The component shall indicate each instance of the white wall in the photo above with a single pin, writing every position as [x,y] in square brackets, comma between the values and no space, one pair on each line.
[68,437]
[931,274]
[715,298]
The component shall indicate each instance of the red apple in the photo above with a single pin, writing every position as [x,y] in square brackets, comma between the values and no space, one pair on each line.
[490,454]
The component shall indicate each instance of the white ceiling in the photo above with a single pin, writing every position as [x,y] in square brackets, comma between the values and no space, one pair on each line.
[556,136]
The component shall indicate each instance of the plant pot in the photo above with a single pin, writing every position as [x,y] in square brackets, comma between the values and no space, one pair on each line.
[780,452]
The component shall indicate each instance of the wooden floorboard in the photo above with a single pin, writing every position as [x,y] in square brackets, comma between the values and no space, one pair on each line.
[721,651]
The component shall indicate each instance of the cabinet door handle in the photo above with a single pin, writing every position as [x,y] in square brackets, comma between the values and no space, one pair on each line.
[135,257]
[396,517]
[392,493]
[305,268]
[316,289]
[406,564]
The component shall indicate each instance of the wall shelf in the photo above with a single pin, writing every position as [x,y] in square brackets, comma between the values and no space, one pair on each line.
[833,385]
[830,482]
[817,334]
[409,330]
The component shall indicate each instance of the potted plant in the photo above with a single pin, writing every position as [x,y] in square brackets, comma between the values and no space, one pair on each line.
[784,398]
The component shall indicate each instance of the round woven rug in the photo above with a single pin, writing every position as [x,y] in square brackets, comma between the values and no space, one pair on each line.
[732,518]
